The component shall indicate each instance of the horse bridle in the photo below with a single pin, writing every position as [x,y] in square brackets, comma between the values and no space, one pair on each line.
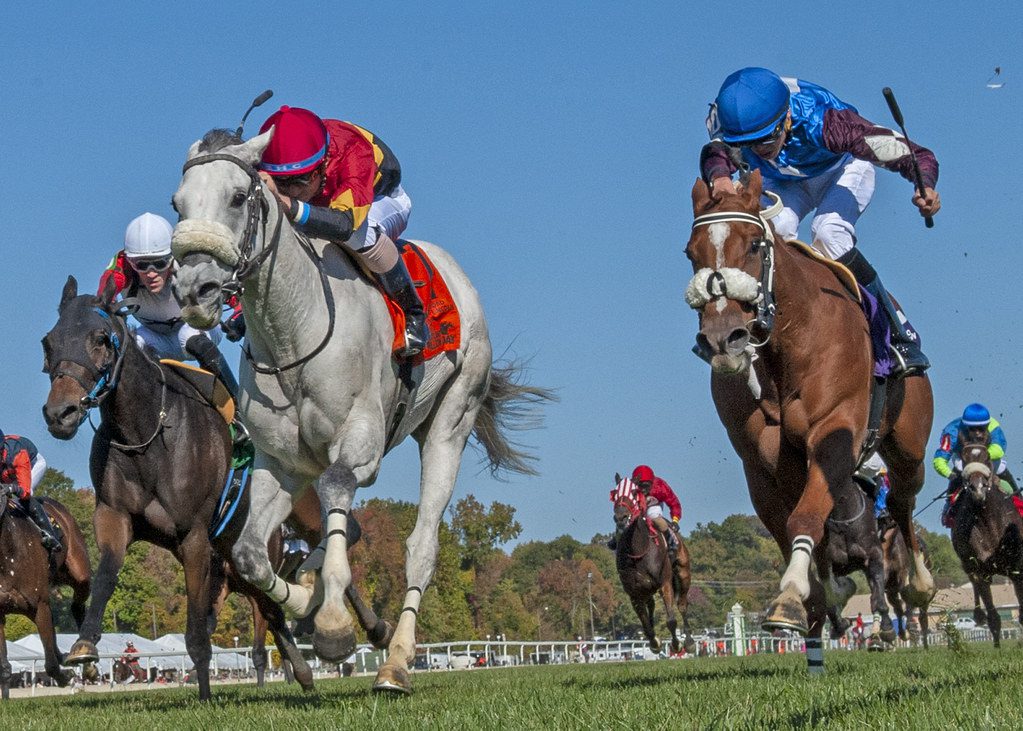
[108,375]
[247,265]
[105,376]
[710,284]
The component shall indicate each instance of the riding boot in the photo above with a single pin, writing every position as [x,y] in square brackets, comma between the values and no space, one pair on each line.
[212,360]
[38,515]
[1007,476]
[398,284]
[909,358]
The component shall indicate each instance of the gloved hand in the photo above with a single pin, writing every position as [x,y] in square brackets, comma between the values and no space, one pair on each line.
[234,326]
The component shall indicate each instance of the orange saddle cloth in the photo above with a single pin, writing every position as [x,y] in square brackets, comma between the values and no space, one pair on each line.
[441,312]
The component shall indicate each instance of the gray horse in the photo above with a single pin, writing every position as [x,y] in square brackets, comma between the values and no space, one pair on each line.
[321,394]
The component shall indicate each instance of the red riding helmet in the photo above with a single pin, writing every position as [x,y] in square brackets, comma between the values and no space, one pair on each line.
[299,142]
[642,474]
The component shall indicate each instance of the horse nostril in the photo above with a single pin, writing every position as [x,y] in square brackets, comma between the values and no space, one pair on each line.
[67,412]
[703,343]
[737,340]
[208,290]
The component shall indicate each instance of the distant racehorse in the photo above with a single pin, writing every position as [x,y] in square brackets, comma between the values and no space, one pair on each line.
[27,579]
[644,566]
[790,353]
[987,531]
[322,395]
[159,460]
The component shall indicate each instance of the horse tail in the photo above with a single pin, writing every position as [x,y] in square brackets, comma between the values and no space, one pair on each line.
[510,405]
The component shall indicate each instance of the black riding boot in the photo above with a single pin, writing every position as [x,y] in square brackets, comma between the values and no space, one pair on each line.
[35,511]
[398,284]
[909,358]
[212,360]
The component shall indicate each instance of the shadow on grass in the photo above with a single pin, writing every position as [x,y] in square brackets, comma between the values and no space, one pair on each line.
[730,671]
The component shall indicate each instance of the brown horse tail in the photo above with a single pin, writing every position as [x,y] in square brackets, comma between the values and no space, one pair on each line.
[76,551]
[510,405]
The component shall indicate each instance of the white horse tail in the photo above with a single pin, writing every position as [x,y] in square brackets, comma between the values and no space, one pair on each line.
[510,405]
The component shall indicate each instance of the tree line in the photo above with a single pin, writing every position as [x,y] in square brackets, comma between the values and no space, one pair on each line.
[536,590]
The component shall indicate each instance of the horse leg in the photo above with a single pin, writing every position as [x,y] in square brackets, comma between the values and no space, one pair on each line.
[901,612]
[113,535]
[924,624]
[441,440]
[668,597]
[878,605]
[278,626]
[270,505]
[5,666]
[378,630]
[197,557]
[48,636]
[994,620]
[259,657]
[684,576]
[334,632]
[979,615]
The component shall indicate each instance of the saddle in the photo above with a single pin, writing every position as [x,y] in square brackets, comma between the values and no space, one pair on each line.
[441,311]
[208,386]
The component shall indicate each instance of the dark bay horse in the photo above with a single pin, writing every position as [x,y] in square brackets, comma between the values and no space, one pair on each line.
[987,531]
[30,575]
[901,595]
[791,363]
[644,566]
[159,460]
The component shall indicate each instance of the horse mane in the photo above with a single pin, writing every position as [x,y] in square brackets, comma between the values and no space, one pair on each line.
[217,139]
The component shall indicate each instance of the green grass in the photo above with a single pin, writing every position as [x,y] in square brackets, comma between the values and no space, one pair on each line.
[909,689]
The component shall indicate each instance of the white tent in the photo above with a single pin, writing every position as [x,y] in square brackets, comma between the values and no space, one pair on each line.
[21,658]
[112,643]
[222,658]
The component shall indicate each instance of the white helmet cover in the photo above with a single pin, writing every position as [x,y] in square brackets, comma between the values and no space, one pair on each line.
[149,235]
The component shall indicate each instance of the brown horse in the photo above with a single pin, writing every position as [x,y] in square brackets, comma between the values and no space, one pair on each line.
[30,574]
[987,531]
[158,463]
[644,566]
[901,595]
[791,362]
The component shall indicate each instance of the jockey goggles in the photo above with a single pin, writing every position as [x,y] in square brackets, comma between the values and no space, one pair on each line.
[159,264]
[770,139]
[292,181]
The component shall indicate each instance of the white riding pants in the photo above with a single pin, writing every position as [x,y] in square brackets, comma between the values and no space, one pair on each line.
[38,469]
[838,198]
[388,213]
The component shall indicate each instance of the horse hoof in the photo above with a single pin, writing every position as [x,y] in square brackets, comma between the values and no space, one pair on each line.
[334,645]
[786,612]
[82,652]
[655,645]
[904,635]
[393,680]
[64,677]
[690,646]
[90,672]
[888,635]
[381,634]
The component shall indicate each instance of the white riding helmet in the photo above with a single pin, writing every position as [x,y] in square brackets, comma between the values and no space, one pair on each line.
[147,236]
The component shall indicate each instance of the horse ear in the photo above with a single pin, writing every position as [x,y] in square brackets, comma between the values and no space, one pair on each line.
[618,478]
[108,293]
[754,188]
[252,150]
[701,195]
[193,150]
[69,293]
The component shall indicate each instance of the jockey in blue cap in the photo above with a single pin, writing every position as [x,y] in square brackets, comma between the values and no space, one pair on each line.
[975,425]
[818,154]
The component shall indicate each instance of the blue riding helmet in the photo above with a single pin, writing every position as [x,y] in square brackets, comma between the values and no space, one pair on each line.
[976,415]
[750,104]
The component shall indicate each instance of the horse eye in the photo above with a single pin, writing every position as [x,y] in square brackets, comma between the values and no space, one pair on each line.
[238,199]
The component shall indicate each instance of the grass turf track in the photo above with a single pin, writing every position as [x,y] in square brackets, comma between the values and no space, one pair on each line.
[909,689]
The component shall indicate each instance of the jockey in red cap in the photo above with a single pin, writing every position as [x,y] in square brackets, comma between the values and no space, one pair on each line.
[339,182]
[658,493]
[22,468]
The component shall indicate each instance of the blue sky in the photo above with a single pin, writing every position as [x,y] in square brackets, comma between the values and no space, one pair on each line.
[551,147]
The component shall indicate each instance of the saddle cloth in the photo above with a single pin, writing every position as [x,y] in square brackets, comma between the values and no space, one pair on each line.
[441,312]
[208,386]
[877,320]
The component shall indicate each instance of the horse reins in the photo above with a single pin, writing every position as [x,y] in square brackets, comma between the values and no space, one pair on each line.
[258,209]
